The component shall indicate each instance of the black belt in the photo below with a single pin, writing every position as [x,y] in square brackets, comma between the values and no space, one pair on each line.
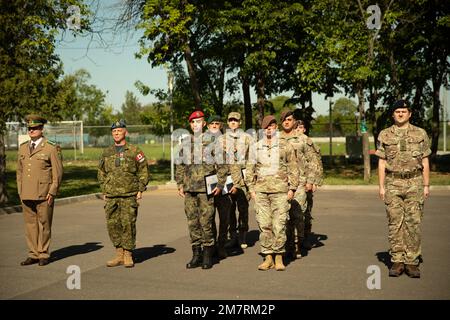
[404,175]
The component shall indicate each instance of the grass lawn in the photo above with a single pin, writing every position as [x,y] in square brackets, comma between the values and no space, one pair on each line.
[80,176]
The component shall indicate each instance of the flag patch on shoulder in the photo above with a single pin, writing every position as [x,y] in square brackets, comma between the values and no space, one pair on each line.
[140,157]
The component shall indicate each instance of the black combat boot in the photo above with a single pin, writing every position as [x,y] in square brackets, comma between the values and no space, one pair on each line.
[196,260]
[207,257]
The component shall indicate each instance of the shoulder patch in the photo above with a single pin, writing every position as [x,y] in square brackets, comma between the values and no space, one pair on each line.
[140,157]
[51,142]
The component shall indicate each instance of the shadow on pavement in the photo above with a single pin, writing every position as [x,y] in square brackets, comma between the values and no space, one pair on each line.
[315,240]
[234,249]
[74,250]
[385,257]
[143,254]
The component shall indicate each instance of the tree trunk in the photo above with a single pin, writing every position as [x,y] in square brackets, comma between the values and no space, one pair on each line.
[260,97]
[435,124]
[3,192]
[192,77]
[247,103]
[365,135]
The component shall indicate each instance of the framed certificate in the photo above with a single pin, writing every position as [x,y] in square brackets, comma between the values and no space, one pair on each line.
[210,183]
[228,185]
[244,173]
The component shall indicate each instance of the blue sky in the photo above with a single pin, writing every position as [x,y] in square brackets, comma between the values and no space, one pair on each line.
[114,69]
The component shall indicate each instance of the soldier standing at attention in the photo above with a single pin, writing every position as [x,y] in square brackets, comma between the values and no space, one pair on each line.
[404,184]
[198,205]
[314,179]
[296,222]
[272,178]
[222,202]
[39,175]
[123,176]
[236,143]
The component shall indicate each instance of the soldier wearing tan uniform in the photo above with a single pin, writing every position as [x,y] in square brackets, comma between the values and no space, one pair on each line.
[236,144]
[309,169]
[314,177]
[272,179]
[403,172]
[39,175]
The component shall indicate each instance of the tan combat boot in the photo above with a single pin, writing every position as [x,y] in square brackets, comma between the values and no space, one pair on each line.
[267,264]
[128,259]
[279,266]
[118,260]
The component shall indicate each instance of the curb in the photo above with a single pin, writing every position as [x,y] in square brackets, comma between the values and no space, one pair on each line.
[93,196]
[85,197]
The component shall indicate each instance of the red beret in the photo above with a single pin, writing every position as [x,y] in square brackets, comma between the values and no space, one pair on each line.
[196,114]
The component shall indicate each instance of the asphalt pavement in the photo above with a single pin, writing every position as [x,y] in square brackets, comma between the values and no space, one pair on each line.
[349,259]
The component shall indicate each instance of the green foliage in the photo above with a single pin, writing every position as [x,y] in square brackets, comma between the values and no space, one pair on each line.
[80,100]
[131,109]
[30,67]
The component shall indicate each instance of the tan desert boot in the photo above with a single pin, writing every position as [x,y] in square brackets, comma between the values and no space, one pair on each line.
[128,259]
[118,260]
[267,264]
[279,266]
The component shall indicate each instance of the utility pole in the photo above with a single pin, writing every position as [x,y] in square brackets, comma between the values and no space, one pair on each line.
[170,86]
[331,131]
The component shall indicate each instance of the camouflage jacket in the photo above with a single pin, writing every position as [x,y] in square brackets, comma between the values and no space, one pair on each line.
[197,160]
[123,174]
[236,146]
[308,158]
[272,168]
[404,149]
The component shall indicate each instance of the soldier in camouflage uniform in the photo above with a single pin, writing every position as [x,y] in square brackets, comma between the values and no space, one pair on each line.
[403,172]
[222,202]
[272,178]
[314,179]
[236,145]
[309,169]
[198,205]
[123,176]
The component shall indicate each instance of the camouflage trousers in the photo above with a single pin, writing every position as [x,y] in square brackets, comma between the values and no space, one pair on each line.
[271,215]
[240,200]
[296,223]
[223,205]
[308,217]
[199,211]
[404,207]
[121,215]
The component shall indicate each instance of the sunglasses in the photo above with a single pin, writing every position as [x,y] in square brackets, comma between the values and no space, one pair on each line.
[34,128]
[233,120]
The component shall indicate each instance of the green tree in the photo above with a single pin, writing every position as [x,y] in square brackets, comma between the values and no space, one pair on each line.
[30,67]
[131,109]
[85,101]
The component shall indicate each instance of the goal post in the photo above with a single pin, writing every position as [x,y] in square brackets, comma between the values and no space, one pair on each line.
[67,134]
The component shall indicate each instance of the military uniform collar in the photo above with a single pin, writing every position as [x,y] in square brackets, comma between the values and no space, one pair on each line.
[38,142]
[125,146]
[234,134]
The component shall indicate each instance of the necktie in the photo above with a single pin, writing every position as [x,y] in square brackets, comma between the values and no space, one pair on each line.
[32,147]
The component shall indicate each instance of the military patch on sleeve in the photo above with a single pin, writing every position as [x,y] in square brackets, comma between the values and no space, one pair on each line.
[140,157]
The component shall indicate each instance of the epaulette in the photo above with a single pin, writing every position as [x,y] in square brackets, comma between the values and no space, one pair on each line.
[51,142]
[25,142]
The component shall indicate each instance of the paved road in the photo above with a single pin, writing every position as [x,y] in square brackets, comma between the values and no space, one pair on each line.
[350,227]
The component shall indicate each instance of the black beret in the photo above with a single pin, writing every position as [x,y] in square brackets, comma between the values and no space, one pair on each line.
[119,124]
